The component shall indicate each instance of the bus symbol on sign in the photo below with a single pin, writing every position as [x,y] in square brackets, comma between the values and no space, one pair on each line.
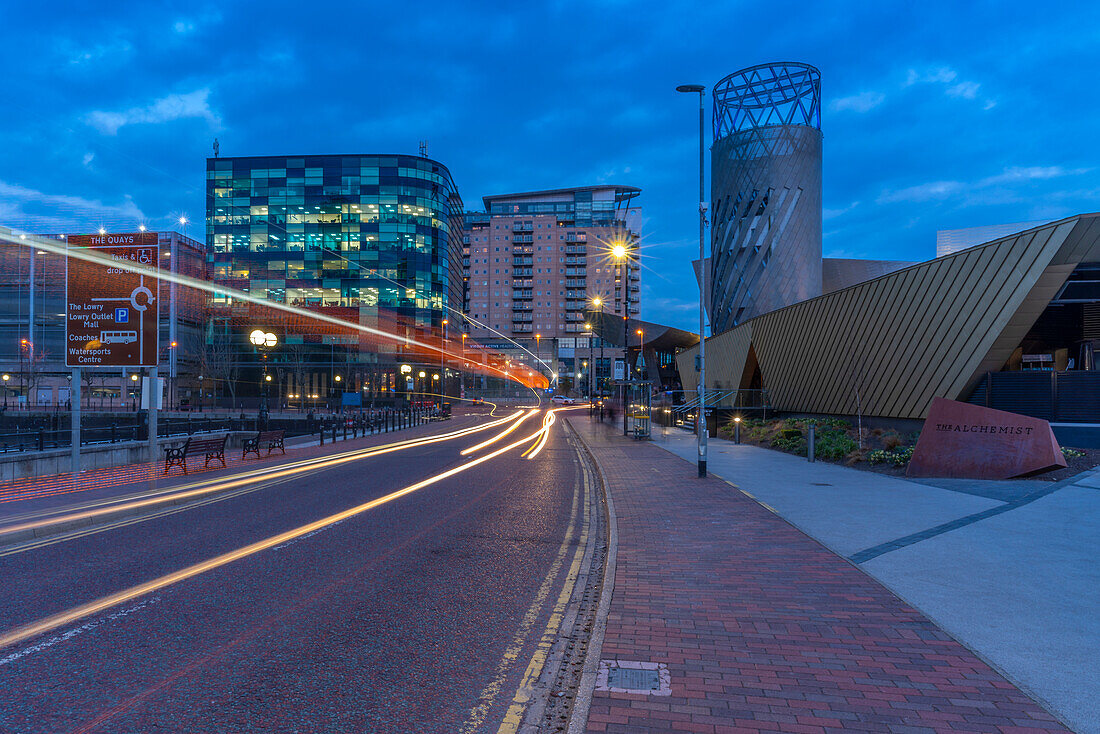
[122,315]
[118,337]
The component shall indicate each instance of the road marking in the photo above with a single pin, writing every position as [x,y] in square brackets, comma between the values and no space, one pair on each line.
[513,718]
[222,484]
[76,534]
[65,637]
[512,652]
[52,622]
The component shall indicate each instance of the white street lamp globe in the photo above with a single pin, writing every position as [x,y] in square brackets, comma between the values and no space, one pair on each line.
[257,337]
[270,339]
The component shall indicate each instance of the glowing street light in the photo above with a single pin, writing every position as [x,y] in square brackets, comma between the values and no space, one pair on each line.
[618,252]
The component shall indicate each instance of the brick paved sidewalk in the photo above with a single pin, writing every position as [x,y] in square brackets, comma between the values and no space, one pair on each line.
[765,630]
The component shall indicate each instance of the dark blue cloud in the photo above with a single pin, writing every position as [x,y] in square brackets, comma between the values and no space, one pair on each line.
[936,114]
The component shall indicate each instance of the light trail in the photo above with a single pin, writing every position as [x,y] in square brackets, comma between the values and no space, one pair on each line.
[58,247]
[226,483]
[27,631]
[547,421]
[494,439]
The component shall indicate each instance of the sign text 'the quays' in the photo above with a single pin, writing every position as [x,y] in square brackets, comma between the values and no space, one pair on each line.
[112,312]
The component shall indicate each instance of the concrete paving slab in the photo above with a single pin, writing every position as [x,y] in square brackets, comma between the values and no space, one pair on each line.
[1092,481]
[1023,589]
[846,509]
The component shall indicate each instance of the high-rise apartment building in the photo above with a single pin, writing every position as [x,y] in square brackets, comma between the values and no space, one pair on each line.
[538,265]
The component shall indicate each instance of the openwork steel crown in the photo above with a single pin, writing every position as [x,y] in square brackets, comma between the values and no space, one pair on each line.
[785,93]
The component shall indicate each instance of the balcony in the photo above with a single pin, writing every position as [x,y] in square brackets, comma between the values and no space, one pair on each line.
[523,294]
[522,282]
[574,260]
[522,328]
[521,307]
[522,239]
[520,227]
[576,237]
[521,318]
[519,272]
[575,283]
[522,250]
[576,273]
[576,250]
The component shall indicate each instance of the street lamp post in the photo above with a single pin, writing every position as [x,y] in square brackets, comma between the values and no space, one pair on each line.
[263,341]
[701,423]
[538,352]
[6,378]
[442,364]
[598,303]
[588,338]
[620,254]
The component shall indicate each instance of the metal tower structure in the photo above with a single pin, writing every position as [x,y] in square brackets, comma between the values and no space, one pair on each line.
[765,191]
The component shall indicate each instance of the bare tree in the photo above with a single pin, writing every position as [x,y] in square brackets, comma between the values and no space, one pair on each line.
[297,367]
[35,364]
[220,361]
[90,378]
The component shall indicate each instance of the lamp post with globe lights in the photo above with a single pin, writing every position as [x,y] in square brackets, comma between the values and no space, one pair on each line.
[263,342]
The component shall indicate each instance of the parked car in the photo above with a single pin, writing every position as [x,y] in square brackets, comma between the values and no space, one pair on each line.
[562,400]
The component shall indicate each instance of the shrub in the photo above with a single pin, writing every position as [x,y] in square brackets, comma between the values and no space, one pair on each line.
[891,440]
[1072,453]
[834,445]
[795,444]
[898,457]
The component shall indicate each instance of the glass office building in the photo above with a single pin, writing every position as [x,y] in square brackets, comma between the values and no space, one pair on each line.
[373,239]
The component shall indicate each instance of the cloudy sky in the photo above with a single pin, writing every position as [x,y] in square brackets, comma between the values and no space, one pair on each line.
[936,114]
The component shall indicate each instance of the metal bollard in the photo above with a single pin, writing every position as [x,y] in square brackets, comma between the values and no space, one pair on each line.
[334,431]
[811,442]
[41,440]
[345,430]
[321,432]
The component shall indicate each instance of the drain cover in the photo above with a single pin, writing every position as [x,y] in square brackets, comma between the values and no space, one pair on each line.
[821,484]
[634,676]
[639,680]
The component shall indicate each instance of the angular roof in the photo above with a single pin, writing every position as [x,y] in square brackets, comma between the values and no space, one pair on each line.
[894,343]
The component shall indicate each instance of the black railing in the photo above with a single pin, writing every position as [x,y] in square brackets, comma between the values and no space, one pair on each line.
[50,434]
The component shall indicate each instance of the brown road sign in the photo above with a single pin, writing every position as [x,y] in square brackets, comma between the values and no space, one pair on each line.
[112,313]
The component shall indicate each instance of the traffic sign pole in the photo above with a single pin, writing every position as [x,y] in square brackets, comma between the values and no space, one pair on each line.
[154,400]
[74,398]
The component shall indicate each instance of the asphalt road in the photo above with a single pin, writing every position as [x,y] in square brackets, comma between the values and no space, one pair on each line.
[401,618]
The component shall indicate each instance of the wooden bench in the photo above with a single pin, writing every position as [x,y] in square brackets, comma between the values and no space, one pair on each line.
[271,439]
[210,448]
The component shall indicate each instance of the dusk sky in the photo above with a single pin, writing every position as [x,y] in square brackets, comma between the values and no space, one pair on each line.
[936,115]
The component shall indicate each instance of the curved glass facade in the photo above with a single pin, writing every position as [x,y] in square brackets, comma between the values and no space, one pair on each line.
[368,239]
[372,232]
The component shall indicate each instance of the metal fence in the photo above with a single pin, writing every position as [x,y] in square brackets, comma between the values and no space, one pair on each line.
[1072,397]
[56,433]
